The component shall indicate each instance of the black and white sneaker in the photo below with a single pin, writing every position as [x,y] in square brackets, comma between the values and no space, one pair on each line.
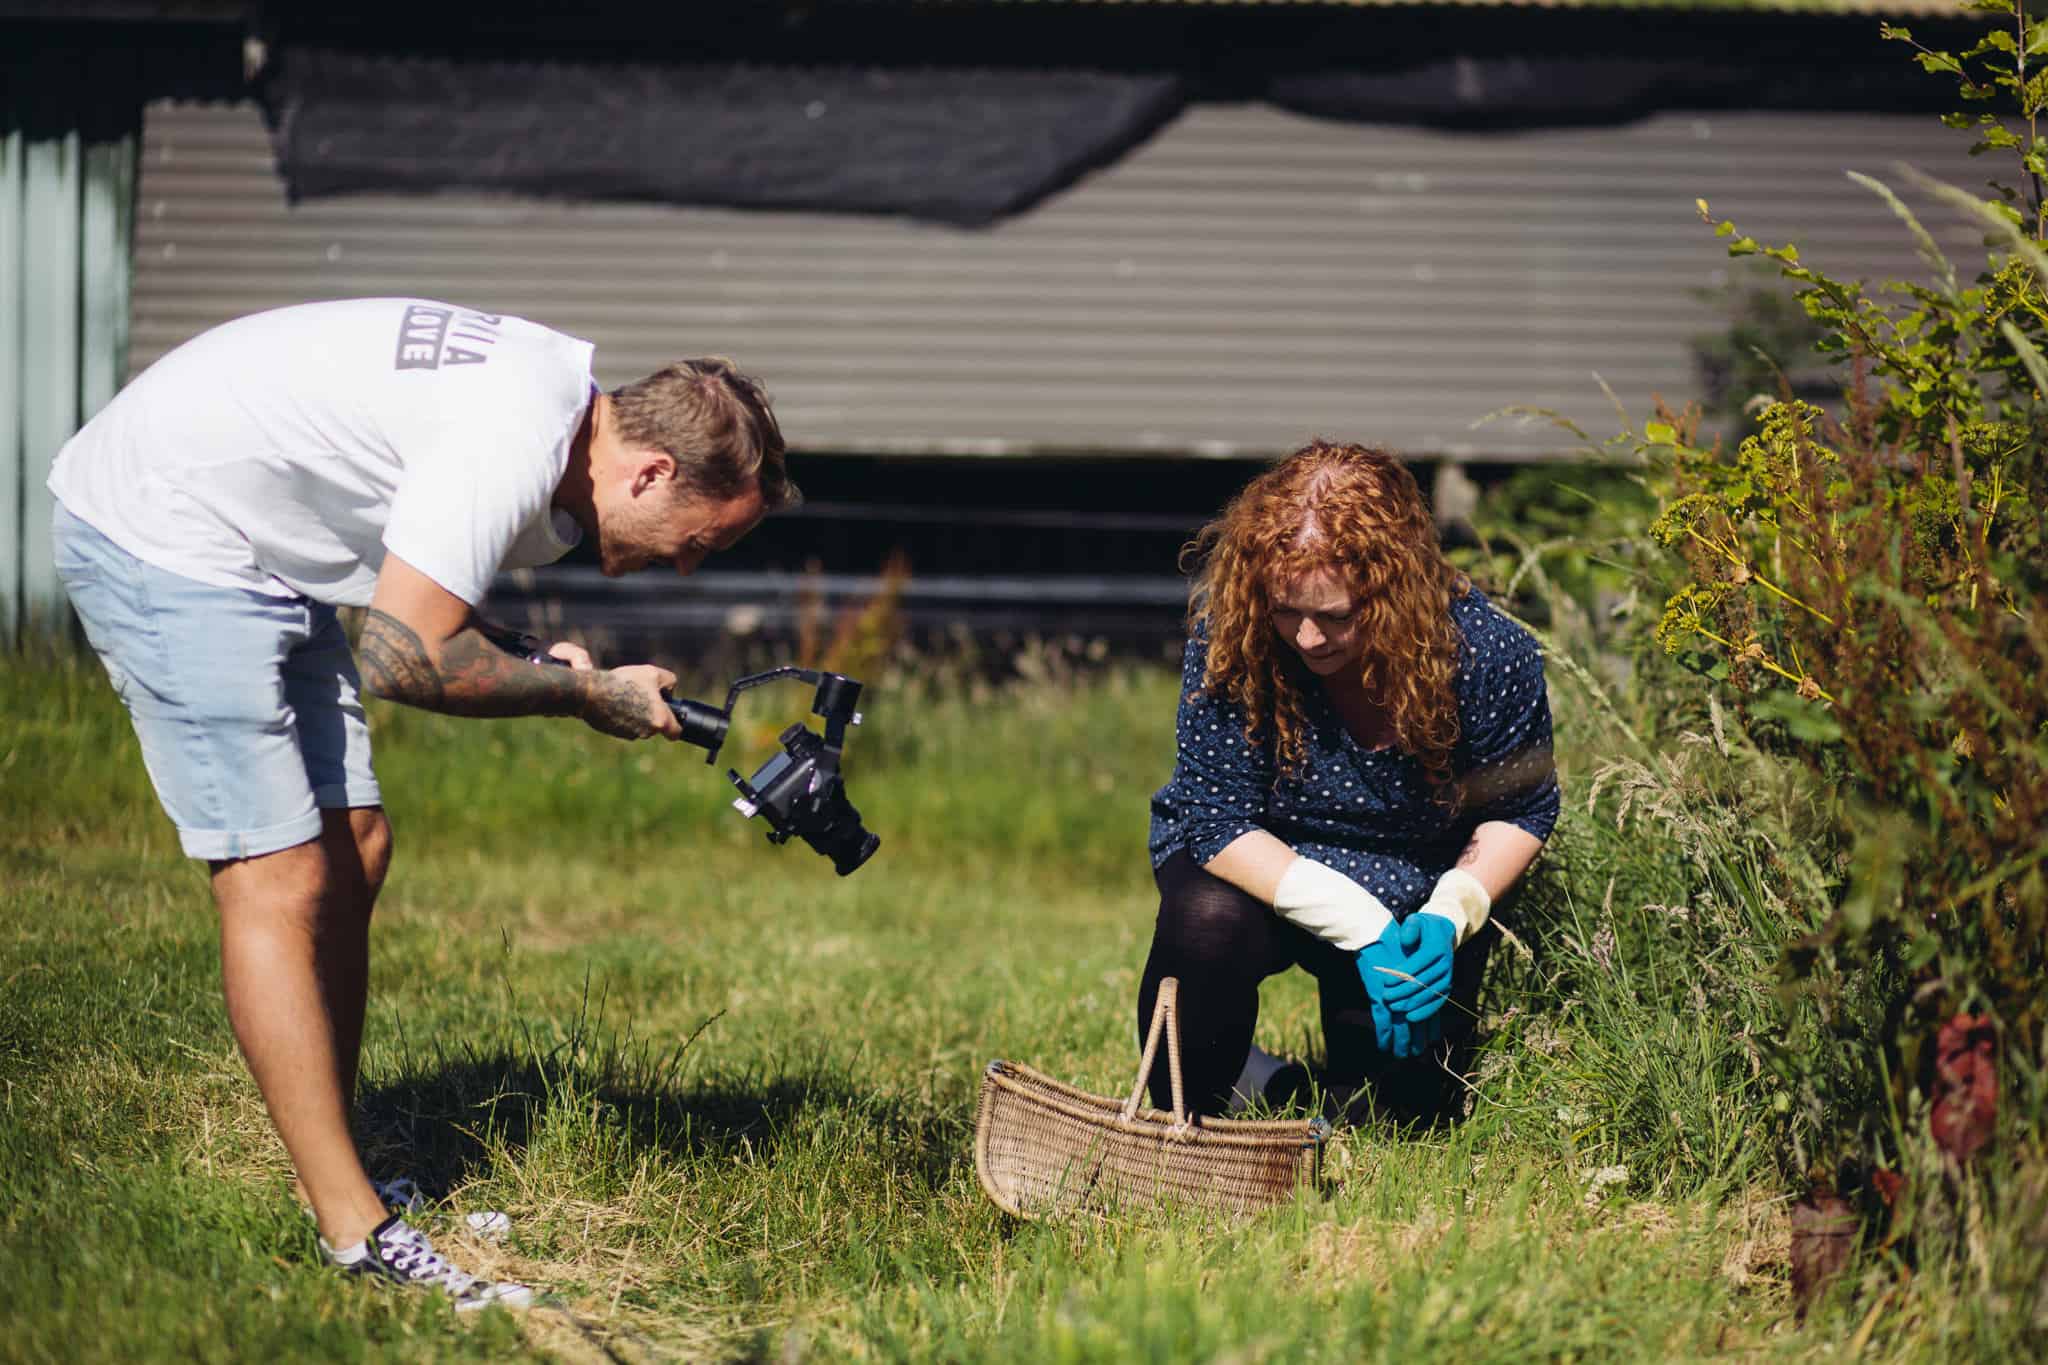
[398,1253]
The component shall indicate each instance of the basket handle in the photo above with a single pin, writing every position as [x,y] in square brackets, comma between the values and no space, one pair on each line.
[1164,1011]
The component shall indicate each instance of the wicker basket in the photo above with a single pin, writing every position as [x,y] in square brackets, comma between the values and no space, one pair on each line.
[1044,1149]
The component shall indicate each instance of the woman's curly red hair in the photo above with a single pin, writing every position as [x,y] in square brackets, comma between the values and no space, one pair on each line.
[1356,511]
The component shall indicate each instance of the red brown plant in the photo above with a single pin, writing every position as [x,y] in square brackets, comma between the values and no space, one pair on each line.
[1965,1086]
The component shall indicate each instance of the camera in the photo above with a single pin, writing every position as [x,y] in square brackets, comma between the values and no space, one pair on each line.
[799,791]
[795,797]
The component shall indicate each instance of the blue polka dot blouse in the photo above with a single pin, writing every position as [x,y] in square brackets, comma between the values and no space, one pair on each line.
[1368,812]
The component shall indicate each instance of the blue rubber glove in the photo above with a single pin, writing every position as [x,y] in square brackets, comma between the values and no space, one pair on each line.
[1456,909]
[1383,965]
[1429,963]
[1414,959]
[1428,972]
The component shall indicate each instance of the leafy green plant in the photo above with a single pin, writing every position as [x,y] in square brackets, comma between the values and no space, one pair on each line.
[1869,587]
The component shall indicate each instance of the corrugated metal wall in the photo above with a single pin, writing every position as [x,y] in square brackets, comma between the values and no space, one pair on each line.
[1246,279]
[65,202]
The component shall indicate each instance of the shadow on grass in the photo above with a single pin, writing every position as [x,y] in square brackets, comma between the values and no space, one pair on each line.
[441,1120]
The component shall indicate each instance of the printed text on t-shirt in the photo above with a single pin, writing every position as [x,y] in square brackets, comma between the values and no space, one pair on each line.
[430,337]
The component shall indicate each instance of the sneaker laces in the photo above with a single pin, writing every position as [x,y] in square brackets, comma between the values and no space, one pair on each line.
[406,1250]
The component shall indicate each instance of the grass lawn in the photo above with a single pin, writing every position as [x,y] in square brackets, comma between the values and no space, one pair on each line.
[728,1097]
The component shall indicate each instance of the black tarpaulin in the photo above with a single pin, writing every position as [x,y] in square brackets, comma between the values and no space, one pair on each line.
[953,145]
[1505,92]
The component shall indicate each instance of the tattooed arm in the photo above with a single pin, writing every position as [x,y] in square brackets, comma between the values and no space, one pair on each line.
[424,646]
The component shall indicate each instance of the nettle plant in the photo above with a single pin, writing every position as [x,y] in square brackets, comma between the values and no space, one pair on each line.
[1869,582]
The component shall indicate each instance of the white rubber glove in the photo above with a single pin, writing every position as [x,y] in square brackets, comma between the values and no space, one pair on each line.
[1329,905]
[1461,899]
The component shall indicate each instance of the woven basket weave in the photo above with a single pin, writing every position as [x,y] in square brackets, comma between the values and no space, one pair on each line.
[1044,1149]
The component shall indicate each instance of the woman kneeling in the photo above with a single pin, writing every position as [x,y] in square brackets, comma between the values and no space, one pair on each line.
[1363,769]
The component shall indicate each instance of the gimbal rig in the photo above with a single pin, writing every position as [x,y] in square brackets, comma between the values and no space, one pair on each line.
[798,791]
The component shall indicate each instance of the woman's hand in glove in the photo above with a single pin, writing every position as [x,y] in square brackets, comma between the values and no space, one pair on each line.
[1430,938]
[1398,971]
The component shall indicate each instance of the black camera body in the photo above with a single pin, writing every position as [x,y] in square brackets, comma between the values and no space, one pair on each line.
[798,794]
[799,791]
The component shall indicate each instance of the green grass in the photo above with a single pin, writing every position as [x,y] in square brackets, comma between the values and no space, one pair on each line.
[729,1097]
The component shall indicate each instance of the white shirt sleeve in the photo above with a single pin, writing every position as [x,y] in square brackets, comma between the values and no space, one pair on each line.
[465,497]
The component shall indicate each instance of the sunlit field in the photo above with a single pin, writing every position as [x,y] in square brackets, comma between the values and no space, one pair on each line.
[728,1098]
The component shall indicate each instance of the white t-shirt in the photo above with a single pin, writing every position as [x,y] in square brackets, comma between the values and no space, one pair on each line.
[287,451]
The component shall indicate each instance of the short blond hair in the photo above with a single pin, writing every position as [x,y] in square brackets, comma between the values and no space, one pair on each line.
[715,422]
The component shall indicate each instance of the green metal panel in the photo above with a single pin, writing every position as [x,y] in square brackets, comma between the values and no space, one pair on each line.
[53,172]
[106,229]
[65,225]
[11,263]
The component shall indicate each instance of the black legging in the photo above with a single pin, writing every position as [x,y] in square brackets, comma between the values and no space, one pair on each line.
[1221,943]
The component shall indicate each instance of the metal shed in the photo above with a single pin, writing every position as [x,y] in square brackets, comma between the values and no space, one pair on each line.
[1245,279]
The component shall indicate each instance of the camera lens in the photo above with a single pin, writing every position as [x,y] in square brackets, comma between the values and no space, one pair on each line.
[857,850]
[841,838]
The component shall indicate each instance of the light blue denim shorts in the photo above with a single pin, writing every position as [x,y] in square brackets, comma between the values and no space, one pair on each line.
[248,706]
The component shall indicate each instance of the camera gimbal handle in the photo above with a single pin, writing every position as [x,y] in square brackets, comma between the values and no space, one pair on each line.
[705,725]
[800,791]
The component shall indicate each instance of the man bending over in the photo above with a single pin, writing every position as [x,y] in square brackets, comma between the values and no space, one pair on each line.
[393,454]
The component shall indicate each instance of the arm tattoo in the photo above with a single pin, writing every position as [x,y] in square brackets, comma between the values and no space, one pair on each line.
[473,677]
[395,662]
[615,708]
